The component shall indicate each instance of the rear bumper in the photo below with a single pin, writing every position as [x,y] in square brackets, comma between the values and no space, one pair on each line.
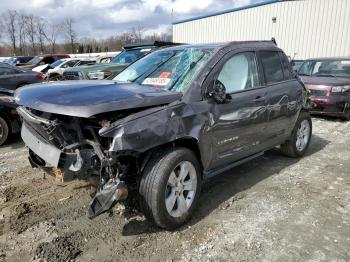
[330,105]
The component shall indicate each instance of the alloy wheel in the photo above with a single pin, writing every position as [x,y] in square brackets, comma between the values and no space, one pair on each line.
[303,135]
[181,189]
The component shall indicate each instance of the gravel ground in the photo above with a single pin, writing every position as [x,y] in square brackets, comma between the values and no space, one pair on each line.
[273,208]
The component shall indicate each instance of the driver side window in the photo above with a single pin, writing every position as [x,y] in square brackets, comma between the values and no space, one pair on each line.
[240,72]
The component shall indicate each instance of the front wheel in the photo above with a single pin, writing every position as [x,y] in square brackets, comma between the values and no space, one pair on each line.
[4,131]
[299,140]
[170,187]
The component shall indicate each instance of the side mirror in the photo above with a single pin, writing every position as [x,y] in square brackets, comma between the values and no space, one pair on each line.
[217,91]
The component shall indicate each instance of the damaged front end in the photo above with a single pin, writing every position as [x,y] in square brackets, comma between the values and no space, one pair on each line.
[111,129]
[70,148]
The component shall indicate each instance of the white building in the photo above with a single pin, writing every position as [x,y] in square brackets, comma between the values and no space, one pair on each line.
[302,28]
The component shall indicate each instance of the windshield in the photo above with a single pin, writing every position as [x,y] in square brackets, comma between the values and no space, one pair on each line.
[130,56]
[169,69]
[332,68]
[57,63]
[35,60]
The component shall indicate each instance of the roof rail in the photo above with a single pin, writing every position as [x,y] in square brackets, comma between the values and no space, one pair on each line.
[155,43]
[273,40]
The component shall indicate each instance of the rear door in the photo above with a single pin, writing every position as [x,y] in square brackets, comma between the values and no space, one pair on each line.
[239,124]
[283,94]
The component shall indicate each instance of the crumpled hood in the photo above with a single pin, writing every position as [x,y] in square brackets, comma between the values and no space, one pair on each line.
[88,98]
[326,81]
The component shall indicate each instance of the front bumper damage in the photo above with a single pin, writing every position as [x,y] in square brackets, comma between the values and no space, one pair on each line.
[71,161]
[40,147]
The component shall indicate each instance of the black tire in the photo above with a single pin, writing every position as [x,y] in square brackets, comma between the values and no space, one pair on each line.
[289,148]
[4,131]
[154,184]
[54,78]
[347,115]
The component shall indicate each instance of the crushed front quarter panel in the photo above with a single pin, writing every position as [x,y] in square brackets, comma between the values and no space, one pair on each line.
[179,121]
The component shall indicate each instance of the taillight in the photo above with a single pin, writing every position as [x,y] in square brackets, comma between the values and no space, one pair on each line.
[40,76]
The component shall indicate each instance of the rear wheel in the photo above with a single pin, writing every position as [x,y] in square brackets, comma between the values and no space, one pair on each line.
[4,130]
[347,114]
[170,187]
[299,140]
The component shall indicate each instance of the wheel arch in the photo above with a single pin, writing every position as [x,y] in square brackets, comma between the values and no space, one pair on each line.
[190,143]
[8,121]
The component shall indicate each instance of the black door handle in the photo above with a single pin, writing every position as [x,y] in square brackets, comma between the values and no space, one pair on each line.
[259,99]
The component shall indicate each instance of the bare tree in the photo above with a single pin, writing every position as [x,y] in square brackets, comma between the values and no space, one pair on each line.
[26,32]
[53,32]
[70,33]
[139,32]
[10,23]
[22,20]
[31,31]
[41,32]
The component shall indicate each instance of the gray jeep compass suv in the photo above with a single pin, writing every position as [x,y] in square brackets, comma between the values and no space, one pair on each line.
[166,123]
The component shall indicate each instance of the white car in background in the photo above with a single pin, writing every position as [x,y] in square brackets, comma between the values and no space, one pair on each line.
[55,71]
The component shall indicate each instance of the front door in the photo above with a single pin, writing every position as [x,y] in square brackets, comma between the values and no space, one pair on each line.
[238,126]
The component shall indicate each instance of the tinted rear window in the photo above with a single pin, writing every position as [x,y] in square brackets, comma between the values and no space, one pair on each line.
[286,66]
[272,66]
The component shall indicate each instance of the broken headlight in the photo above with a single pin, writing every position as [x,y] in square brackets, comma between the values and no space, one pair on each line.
[339,89]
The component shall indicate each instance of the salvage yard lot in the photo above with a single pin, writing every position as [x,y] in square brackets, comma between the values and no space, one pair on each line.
[273,208]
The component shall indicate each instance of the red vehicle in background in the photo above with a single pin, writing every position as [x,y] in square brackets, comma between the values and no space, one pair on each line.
[328,80]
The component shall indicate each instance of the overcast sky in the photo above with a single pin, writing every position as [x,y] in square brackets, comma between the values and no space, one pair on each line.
[102,18]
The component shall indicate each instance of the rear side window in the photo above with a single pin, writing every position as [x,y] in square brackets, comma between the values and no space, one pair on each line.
[286,66]
[272,66]
[70,63]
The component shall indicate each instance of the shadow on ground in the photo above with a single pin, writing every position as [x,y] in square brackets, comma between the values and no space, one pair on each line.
[329,118]
[221,188]
[14,142]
